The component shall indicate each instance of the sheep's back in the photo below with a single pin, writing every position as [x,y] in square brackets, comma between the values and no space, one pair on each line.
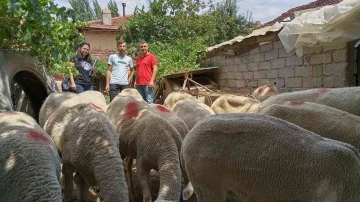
[280,160]
[29,160]
[345,99]
[52,102]
[321,119]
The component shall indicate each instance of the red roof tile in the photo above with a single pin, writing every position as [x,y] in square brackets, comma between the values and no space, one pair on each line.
[116,21]
[315,4]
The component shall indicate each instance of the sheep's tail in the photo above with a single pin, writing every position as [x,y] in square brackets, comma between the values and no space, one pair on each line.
[189,189]
[170,176]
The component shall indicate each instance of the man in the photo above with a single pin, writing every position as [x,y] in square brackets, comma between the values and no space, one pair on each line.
[119,66]
[146,68]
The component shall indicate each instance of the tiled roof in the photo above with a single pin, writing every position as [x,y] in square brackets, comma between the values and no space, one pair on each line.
[315,4]
[116,21]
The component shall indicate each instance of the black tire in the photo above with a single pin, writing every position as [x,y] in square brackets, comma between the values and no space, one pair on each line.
[24,84]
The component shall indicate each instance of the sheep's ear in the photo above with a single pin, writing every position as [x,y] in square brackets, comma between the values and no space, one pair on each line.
[188,192]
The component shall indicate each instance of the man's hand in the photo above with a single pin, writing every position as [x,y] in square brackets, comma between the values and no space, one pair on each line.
[107,88]
[135,84]
[151,84]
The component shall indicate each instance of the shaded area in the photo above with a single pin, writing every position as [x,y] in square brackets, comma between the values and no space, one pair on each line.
[27,94]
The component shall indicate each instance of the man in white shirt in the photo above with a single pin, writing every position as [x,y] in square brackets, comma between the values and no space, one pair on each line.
[119,66]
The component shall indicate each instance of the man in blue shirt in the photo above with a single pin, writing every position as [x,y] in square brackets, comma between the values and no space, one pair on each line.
[119,66]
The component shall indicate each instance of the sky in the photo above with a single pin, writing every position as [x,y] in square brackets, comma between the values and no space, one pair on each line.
[262,10]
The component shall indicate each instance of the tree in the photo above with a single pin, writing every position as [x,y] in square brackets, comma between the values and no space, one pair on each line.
[178,29]
[97,10]
[82,10]
[229,24]
[45,31]
[113,8]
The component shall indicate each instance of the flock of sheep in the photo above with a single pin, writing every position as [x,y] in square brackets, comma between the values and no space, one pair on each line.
[266,147]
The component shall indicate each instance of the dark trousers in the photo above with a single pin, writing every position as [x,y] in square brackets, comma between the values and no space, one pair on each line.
[114,90]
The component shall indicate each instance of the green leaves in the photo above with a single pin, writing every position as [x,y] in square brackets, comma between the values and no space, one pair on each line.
[39,27]
[176,30]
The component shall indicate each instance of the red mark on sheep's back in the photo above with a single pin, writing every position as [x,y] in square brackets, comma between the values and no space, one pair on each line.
[8,114]
[260,90]
[37,136]
[94,106]
[323,90]
[296,103]
[131,110]
[162,108]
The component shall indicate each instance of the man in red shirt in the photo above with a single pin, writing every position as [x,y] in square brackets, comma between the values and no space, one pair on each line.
[146,68]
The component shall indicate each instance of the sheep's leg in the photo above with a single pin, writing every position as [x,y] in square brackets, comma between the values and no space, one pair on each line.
[129,163]
[143,173]
[82,187]
[68,181]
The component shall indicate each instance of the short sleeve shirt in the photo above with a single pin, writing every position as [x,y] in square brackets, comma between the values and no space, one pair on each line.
[85,70]
[120,69]
[144,68]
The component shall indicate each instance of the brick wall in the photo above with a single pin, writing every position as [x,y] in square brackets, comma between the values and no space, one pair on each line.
[101,41]
[318,67]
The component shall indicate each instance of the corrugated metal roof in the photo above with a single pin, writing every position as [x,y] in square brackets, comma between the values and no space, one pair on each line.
[315,4]
[262,31]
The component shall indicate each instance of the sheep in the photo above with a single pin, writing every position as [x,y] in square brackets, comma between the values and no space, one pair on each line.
[152,141]
[265,91]
[87,143]
[345,99]
[52,102]
[94,97]
[130,91]
[29,161]
[235,104]
[190,112]
[171,117]
[174,97]
[320,119]
[257,157]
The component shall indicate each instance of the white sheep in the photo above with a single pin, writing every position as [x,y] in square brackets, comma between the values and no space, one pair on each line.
[29,161]
[346,99]
[265,91]
[130,91]
[235,104]
[320,119]
[171,117]
[190,112]
[52,102]
[94,97]
[87,142]
[262,158]
[174,97]
[152,141]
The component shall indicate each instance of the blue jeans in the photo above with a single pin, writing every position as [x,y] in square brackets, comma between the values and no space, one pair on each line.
[146,92]
[81,88]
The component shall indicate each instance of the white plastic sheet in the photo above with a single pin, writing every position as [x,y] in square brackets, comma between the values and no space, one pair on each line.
[328,26]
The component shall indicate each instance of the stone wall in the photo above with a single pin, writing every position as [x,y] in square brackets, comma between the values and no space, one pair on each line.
[318,67]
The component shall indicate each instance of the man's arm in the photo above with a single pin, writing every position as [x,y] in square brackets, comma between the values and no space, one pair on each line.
[108,74]
[153,76]
[131,75]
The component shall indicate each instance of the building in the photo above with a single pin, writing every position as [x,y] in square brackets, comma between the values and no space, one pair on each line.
[247,62]
[102,35]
